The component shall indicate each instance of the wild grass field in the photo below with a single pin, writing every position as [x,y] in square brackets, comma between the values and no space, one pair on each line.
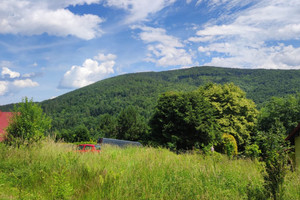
[55,171]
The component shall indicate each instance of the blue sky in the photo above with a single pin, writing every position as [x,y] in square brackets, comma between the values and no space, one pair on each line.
[51,47]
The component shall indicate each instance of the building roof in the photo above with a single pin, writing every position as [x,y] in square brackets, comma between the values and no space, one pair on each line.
[292,135]
[120,143]
[4,121]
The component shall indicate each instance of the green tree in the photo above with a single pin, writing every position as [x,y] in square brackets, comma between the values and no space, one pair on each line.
[28,124]
[273,148]
[108,126]
[183,121]
[131,126]
[81,133]
[235,114]
[285,110]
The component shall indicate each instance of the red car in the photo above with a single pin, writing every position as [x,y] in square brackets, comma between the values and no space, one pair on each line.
[89,148]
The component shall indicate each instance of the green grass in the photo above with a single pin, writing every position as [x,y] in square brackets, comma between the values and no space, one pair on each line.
[55,171]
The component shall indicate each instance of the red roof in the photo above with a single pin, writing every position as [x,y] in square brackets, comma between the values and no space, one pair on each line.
[4,120]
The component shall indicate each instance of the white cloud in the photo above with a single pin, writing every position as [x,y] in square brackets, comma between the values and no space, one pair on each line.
[139,9]
[90,71]
[24,83]
[200,39]
[164,50]
[29,75]
[103,57]
[12,82]
[32,17]
[11,74]
[3,87]
[254,38]
[227,4]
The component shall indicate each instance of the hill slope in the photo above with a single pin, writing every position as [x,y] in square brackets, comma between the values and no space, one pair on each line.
[141,90]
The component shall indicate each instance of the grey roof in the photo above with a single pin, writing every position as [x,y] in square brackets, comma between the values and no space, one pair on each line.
[120,143]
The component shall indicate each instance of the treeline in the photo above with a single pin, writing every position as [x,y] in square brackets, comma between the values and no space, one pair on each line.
[202,118]
[127,125]
[88,105]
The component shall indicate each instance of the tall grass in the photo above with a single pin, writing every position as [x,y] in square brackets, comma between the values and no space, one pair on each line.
[56,171]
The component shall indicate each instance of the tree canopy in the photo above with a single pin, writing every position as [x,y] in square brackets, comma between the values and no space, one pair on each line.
[285,110]
[130,125]
[183,120]
[203,116]
[28,123]
[235,114]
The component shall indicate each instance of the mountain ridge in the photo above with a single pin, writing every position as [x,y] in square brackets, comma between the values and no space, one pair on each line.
[141,90]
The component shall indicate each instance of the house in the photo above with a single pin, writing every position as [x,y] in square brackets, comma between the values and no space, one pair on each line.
[4,121]
[294,138]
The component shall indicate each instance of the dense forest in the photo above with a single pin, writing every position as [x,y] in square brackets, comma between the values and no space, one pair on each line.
[100,108]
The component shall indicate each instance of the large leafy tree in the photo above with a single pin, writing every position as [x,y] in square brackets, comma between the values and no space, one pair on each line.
[235,114]
[28,123]
[183,121]
[81,133]
[285,110]
[130,125]
[108,126]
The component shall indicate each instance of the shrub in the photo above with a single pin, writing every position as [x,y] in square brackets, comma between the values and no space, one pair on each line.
[252,151]
[228,145]
[28,124]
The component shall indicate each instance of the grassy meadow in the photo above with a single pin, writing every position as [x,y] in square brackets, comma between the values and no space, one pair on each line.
[55,171]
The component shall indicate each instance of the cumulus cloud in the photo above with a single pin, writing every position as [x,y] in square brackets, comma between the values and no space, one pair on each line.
[3,87]
[254,38]
[11,82]
[11,74]
[139,10]
[164,50]
[90,71]
[103,57]
[24,83]
[34,17]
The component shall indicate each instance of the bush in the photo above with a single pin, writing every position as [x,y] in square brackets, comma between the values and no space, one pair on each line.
[28,124]
[228,145]
[252,151]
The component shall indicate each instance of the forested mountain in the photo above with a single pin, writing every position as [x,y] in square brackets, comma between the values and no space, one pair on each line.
[141,90]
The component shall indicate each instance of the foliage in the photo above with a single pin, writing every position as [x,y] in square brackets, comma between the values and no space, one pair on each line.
[28,124]
[228,145]
[252,151]
[130,125]
[285,110]
[274,154]
[142,90]
[235,114]
[183,121]
[77,134]
[89,104]
[278,117]
[81,133]
[108,126]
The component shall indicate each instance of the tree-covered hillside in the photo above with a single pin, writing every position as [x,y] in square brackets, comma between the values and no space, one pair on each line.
[141,90]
